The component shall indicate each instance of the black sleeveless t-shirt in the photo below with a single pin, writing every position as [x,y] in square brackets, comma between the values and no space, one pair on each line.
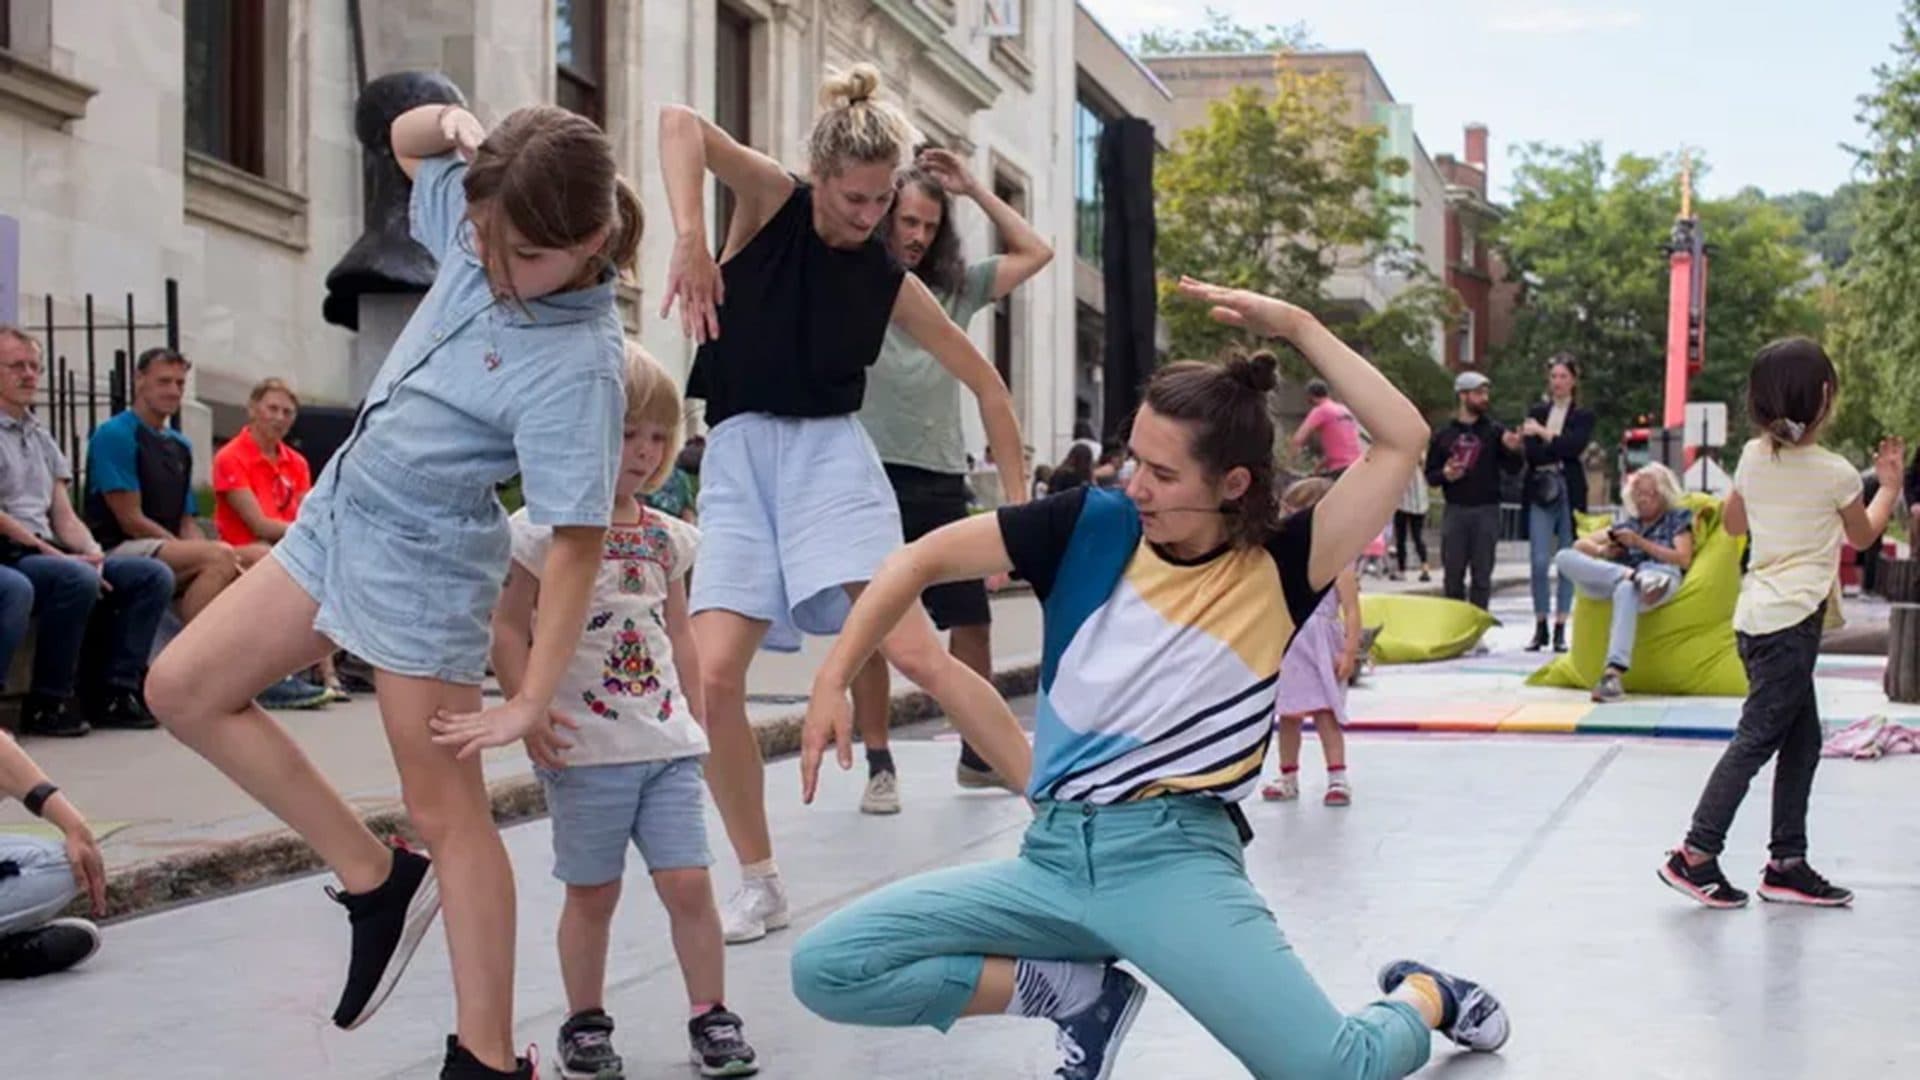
[801,322]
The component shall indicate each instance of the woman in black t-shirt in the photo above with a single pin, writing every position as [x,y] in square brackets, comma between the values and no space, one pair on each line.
[795,511]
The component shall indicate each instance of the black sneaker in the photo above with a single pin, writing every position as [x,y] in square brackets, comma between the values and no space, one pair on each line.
[1469,1015]
[462,1065]
[123,709]
[387,923]
[53,717]
[1798,883]
[586,1047]
[718,1046]
[1704,883]
[43,950]
[1090,1040]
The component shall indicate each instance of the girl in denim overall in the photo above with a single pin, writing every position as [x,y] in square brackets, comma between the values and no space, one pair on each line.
[511,365]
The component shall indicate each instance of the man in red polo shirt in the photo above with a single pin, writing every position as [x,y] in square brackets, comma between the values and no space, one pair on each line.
[258,484]
[258,480]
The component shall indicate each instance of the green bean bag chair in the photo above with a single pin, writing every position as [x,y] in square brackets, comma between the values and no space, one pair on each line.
[1684,647]
[1417,629]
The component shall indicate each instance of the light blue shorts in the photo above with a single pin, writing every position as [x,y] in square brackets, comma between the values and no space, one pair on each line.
[405,568]
[661,806]
[792,510]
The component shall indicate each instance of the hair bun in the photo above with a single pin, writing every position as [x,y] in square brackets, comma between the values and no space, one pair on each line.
[1258,372]
[844,89]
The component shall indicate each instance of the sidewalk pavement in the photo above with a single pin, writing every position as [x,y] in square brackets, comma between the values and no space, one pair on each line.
[174,829]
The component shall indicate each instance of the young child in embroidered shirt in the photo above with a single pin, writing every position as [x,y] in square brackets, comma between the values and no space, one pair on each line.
[629,770]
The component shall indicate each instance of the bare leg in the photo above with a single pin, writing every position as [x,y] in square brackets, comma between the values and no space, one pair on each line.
[203,569]
[994,992]
[970,702]
[584,925]
[447,800]
[873,702]
[1333,741]
[202,689]
[973,646]
[736,775]
[688,896]
[1289,741]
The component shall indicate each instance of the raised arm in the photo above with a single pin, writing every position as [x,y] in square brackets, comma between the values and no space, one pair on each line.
[1866,523]
[1363,499]
[690,145]
[921,316]
[1027,252]
[431,130]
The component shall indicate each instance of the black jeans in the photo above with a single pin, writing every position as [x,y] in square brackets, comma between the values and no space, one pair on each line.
[1404,523]
[1469,537]
[1781,716]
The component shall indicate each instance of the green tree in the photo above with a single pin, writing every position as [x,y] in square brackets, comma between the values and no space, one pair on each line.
[1585,239]
[1219,33]
[1827,222]
[1280,195]
[1877,342]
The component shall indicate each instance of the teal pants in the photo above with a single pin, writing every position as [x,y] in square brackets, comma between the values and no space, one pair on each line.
[1159,884]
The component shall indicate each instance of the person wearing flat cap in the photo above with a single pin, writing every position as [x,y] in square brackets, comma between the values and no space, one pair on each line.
[1466,460]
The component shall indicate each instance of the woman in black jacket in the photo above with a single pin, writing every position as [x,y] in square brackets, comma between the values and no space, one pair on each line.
[1556,432]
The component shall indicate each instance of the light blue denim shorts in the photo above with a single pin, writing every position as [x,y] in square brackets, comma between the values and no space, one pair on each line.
[792,510]
[405,567]
[660,806]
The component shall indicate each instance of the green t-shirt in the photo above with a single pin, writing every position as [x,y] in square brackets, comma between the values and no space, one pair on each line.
[912,407]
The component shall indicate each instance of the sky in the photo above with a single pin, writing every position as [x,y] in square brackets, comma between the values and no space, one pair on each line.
[1766,89]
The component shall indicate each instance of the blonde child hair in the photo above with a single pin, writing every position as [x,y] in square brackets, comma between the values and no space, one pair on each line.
[653,396]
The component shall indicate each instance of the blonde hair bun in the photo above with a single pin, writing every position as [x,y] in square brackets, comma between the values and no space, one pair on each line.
[854,86]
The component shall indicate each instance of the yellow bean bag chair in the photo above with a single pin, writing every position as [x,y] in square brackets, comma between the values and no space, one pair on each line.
[1588,524]
[1685,646]
[1417,629]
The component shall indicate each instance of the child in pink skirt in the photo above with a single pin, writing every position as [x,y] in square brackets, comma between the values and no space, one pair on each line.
[1315,672]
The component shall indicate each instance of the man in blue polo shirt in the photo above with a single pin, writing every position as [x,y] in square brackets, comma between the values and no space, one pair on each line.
[140,500]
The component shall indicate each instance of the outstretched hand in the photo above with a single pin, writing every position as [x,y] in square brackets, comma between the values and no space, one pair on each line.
[693,278]
[829,719]
[1246,309]
[1889,462]
[545,745]
[471,733]
[89,869]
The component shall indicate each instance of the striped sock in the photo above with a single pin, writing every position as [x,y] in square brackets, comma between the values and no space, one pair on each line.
[1054,989]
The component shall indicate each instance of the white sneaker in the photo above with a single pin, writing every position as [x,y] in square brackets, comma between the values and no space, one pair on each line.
[758,906]
[1284,788]
[882,795]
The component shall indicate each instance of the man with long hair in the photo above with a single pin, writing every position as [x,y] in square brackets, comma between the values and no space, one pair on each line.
[912,411]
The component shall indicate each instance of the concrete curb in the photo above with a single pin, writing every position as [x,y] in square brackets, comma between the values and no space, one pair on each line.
[234,866]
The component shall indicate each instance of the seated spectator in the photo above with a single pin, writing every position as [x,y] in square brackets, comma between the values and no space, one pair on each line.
[39,878]
[259,483]
[98,615]
[258,480]
[1637,562]
[140,501]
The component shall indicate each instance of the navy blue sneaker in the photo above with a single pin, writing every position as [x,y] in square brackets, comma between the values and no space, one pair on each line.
[293,693]
[1090,1039]
[1470,1016]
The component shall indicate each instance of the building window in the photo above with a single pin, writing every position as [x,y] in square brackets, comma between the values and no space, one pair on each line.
[6,24]
[1008,192]
[1464,357]
[732,102]
[1089,194]
[580,57]
[226,81]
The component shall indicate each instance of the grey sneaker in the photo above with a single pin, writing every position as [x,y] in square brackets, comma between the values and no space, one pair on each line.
[1609,690]
[882,795]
